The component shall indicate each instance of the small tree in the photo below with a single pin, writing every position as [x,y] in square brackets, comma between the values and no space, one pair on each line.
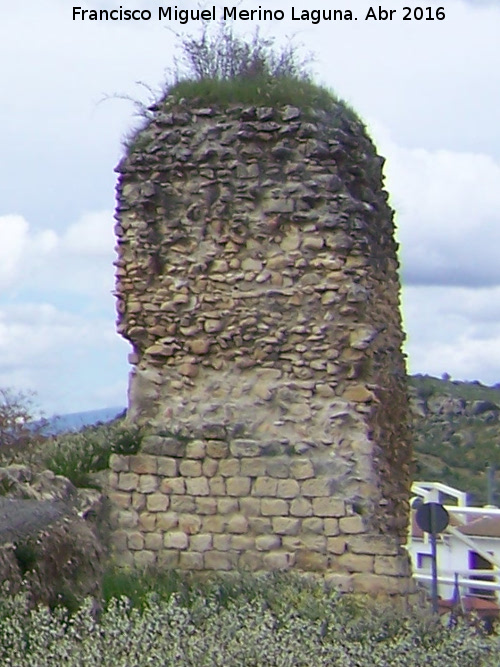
[19,429]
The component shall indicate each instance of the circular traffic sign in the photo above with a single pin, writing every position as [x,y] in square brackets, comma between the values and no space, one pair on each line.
[432,517]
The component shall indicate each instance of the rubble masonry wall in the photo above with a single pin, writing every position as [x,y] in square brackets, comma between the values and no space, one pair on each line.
[257,283]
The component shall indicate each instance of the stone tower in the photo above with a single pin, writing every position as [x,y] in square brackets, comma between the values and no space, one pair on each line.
[257,283]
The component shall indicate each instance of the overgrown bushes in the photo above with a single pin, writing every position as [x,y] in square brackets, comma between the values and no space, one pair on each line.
[272,620]
[78,455]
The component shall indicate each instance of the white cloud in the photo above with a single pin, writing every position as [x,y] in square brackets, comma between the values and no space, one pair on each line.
[79,259]
[448,213]
[63,345]
[92,235]
[13,233]
[56,354]
[454,330]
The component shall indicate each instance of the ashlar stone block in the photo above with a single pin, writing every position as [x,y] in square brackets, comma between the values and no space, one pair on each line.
[301,507]
[286,526]
[267,542]
[219,560]
[201,542]
[191,560]
[265,486]
[318,487]
[173,485]
[197,486]
[176,539]
[273,507]
[143,464]
[190,468]
[238,486]
[166,467]
[128,481]
[148,483]
[351,524]
[167,521]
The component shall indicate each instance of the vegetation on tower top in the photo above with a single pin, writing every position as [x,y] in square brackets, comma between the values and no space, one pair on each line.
[219,67]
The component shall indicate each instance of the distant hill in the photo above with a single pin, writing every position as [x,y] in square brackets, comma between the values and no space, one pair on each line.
[77,420]
[456,433]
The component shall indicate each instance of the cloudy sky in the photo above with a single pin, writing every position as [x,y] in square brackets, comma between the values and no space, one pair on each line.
[429,92]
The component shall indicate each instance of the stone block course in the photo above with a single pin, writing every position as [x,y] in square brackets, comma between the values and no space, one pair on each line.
[167,520]
[191,560]
[153,541]
[189,523]
[144,559]
[229,467]
[351,524]
[219,560]
[201,542]
[287,488]
[173,485]
[227,505]
[120,499]
[182,503]
[318,487]
[217,449]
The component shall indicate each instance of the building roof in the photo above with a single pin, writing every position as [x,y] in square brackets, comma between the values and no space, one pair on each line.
[484,526]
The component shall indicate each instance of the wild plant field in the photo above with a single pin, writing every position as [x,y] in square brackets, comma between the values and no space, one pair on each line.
[273,620]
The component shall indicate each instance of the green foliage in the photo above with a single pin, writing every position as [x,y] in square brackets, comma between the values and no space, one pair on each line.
[222,68]
[256,90]
[455,446]
[223,55]
[78,455]
[263,621]
[25,555]
[137,586]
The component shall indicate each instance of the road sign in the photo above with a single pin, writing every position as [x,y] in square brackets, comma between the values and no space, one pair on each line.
[432,517]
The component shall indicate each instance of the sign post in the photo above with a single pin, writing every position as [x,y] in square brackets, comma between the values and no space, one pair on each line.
[433,518]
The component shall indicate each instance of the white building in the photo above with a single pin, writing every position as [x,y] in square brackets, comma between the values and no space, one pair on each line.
[468,550]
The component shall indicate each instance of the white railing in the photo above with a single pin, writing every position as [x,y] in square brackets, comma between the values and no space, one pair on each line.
[463,583]
[464,578]
[432,492]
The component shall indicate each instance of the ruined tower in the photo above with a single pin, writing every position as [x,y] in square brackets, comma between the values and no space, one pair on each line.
[257,283]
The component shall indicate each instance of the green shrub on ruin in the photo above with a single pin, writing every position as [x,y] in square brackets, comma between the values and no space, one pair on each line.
[220,68]
[78,455]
